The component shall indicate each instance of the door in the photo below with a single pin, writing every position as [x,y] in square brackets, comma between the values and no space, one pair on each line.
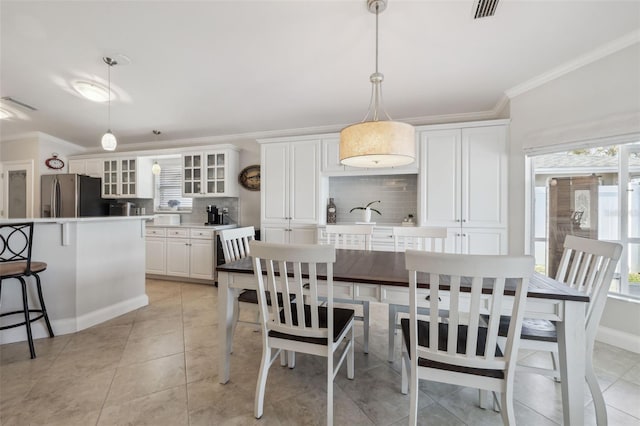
[178,257]
[440,180]
[275,175]
[66,193]
[155,256]
[303,182]
[18,189]
[201,259]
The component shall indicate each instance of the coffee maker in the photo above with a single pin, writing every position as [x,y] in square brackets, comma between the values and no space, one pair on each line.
[213,216]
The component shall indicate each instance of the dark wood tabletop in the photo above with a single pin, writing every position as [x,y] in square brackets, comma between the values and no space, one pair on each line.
[388,268]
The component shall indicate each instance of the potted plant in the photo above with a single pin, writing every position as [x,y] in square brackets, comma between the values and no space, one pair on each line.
[173,204]
[366,211]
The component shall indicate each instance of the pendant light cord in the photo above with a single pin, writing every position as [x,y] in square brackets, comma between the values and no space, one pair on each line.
[109,104]
[377,12]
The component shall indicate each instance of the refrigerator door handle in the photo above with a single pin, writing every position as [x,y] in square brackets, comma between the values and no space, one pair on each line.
[55,205]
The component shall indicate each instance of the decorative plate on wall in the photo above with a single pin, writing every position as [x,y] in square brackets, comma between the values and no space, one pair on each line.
[249,177]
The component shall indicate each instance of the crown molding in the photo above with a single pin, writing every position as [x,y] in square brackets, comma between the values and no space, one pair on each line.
[579,62]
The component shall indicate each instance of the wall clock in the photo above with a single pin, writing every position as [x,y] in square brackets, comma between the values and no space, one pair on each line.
[249,177]
[54,162]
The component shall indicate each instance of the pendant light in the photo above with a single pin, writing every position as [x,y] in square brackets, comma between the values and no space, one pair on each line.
[156,169]
[109,141]
[377,141]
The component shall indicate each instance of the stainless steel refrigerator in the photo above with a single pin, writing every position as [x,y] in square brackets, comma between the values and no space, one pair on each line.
[71,195]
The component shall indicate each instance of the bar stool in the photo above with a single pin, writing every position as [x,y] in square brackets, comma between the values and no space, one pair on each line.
[16,240]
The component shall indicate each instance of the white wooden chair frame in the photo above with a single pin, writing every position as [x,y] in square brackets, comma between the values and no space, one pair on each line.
[412,238]
[465,309]
[588,266]
[290,259]
[353,237]
[235,246]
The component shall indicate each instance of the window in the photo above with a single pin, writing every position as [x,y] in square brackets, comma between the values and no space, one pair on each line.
[592,193]
[168,187]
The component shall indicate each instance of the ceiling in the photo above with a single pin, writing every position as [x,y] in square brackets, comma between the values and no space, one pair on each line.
[231,69]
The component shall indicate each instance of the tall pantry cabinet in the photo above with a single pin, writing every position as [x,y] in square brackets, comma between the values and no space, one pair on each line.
[463,184]
[290,182]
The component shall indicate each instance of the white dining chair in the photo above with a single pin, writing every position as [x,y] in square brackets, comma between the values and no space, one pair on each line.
[353,237]
[235,246]
[430,239]
[296,327]
[588,266]
[463,351]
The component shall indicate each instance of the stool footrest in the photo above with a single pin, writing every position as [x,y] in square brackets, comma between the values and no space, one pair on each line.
[38,311]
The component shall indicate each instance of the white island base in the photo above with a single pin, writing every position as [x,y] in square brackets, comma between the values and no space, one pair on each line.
[95,272]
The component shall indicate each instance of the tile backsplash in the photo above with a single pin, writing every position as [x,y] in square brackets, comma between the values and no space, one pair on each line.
[198,212]
[398,195]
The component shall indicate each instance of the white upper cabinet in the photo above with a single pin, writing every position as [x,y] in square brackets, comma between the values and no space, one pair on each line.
[127,178]
[463,185]
[331,161]
[90,167]
[290,175]
[464,177]
[210,173]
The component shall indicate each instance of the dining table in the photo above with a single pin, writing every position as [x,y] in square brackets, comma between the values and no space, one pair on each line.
[381,276]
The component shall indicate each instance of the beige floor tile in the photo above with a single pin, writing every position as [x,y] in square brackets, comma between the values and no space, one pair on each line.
[197,337]
[139,368]
[136,380]
[168,407]
[152,347]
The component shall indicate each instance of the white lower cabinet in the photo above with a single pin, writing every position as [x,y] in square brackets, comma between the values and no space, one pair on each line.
[476,241]
[181,252]
[292,235]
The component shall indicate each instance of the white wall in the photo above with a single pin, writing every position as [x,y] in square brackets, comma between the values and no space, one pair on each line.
[599,100]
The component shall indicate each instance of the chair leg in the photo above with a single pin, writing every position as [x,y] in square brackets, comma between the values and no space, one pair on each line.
[25,305]
[596,392]
[413,394]
[234,321]
[350,356]
[265,363]
[329,384]
[556,366]
[42,306]
[393,313]
[365,314]
[404,387]
[506,406]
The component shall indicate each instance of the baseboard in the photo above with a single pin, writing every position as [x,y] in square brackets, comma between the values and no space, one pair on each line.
[72,325]
[104,314]
[620,339]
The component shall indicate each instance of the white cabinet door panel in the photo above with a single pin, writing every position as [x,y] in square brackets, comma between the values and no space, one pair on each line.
[303,182]
[275,184]
[201,259]
[155,254]
[178,257]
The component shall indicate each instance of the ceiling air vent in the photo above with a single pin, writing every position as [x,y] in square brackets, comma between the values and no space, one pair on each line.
[22,104]
[484,8]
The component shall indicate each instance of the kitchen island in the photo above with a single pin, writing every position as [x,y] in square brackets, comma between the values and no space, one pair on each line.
[95,272]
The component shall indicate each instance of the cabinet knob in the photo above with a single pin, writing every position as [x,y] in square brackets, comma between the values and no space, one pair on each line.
[464,220]
[457,220]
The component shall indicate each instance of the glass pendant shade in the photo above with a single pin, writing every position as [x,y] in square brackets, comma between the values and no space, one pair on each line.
[109,141]
[155,169]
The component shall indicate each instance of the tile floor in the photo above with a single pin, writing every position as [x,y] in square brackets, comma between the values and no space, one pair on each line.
[157,366]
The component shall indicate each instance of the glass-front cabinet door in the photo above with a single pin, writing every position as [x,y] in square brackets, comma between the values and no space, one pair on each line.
[210,173]
[128,174]
[215,177]
[192,174]
[110,178]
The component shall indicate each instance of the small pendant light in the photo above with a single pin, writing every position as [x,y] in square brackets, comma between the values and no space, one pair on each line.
[156,169]
[109,141]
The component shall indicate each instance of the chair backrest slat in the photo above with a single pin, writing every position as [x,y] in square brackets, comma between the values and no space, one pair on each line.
[588,266]
[235,242]
[350,236]
[470,299]
[419,238]
[294,272]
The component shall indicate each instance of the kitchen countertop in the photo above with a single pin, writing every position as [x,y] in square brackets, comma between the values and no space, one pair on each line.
[76,219]
[194,225]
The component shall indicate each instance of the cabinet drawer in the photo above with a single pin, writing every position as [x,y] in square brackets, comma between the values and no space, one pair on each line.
[205,234]
[177,233]
[156,232]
